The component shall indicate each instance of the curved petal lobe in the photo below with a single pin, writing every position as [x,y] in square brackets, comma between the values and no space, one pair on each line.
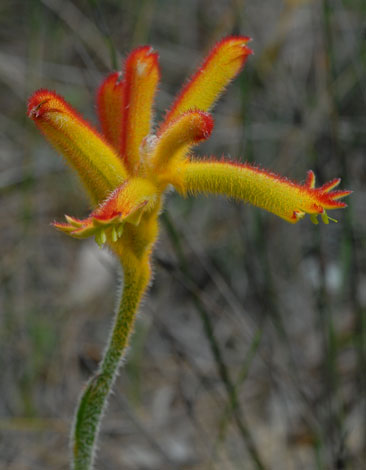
[141,78]
[175,142]
[110,107]
[223,63]
[127,203]
[285,198]
[97,164]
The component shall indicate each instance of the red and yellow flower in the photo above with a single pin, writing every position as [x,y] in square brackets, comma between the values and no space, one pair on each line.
[128,166]
[126,169]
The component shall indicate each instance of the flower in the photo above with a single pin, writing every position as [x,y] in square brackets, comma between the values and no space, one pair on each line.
[127,168]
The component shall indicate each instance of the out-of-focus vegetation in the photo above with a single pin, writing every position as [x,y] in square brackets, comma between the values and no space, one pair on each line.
[250,349]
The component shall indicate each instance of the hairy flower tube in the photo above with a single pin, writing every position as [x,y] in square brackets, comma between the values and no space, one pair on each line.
[126,169]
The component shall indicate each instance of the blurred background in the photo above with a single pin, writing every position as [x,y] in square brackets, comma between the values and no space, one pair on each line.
[250,348]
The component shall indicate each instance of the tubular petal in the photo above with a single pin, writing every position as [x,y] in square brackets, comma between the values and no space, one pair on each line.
[220,67]
[125,204]
[287,199]
[96,162]
[141,78]
[110,105]
[190,128]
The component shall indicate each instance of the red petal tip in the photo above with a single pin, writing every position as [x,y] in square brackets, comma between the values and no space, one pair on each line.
[235,37]
[35,102]
[145,53]
[35,107]
[207,123]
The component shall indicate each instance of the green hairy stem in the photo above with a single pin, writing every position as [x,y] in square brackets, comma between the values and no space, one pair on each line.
[94,398]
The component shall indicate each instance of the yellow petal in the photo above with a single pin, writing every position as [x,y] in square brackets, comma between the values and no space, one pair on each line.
[127,203]
[141,78]
[285,198]
[110,98]
[190,128]
[220,67]
[98,165]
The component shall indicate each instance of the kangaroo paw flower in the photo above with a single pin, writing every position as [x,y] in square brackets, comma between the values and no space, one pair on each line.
[127,167]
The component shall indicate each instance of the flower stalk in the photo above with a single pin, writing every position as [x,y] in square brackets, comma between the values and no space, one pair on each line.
[94,398]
